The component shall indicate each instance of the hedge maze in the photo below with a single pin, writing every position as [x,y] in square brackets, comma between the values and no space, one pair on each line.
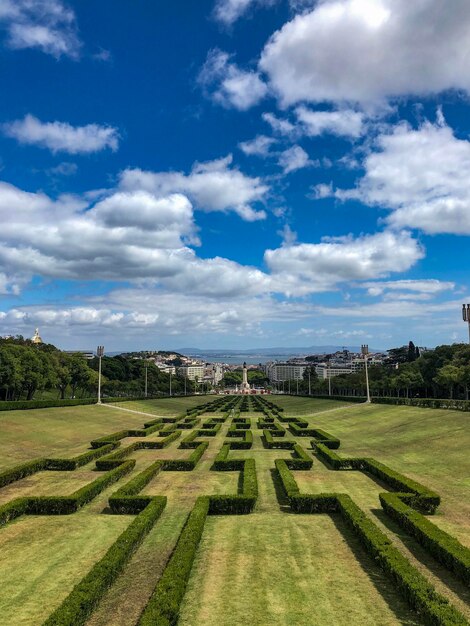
[221,433]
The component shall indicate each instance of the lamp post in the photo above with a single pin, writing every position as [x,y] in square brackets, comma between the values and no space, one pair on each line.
[365,352]
[146,378]
[99,354]
[466,317]
[170,382]
[329,376]
[297,386]
[309,383]
[185,379]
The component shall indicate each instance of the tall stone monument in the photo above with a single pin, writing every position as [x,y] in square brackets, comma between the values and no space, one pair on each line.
[245,385]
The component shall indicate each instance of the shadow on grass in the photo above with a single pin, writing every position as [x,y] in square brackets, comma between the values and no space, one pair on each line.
[384,586]
[421,555]
[280,493]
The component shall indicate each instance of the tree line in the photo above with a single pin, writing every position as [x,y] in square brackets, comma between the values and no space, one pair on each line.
[28,369]
[440,373]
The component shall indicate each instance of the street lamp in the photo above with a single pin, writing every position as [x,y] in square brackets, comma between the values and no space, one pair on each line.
[170,382]
[99,354]
[329,376]
[309,383]
[466,317]
[297,386]
[365,352]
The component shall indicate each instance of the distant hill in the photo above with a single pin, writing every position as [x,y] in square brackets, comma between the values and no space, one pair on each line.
[276,351]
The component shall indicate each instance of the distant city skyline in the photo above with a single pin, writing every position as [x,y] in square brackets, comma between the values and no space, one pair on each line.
[235,173]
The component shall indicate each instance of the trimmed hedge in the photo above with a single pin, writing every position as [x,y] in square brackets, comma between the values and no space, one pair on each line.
[287,479]
[326,439]
[164,604]
[276,443]
[301,460]
[243,444]
[443,547]
[186,465]
[62,505]
[419,593]
[427,403]
[243,502]
[84,597]
[15,405]
[21,471]
[82,459]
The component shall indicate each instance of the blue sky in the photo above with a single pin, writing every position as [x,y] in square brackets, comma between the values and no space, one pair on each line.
[234,173]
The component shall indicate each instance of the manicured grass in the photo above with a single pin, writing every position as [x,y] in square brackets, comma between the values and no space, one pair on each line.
[166,406]
[269,567]
[43,557]
[294,406]
[283,570]
[63,431]
[429,445]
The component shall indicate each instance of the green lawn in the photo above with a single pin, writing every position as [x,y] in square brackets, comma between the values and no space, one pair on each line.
[269,567]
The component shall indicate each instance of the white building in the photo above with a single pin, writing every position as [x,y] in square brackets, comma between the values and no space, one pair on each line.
[277,372]
[324,372]
[192,372]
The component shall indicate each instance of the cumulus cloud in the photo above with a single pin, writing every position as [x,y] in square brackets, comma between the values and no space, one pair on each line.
[61,136]
[212,186]
[345,259]
[229,11]
[229,85]
[347,123]
[422,175]
[294,158]
[258,146]
[48,25]
[427,287]
[279,125]
[338,51]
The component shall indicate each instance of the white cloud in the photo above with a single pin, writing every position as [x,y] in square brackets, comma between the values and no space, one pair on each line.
[347,123]
[229,11]
[294,158]
[338,51]
[427,287]
[48,25]
[258,146]
[212,186]
[344,259]
[229,85]
[279,125]
[61,136]
[422,175]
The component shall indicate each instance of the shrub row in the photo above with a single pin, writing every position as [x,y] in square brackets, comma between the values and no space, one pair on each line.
[429,403]
[333,459]
[326,439]
[82,459]
[270,442]
[288,481]
[84,597]
[445,548]
[14,405]
[21,471]
[63,505]
[110,461]
[243,502]
[423,499]
[124,500]
[189,440]
[432,607]
[243,444]
[164,604]
[415,494]
[186,465]
[301,460]
[221,462]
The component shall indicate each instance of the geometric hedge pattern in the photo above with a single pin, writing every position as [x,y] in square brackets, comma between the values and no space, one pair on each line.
[406,501]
